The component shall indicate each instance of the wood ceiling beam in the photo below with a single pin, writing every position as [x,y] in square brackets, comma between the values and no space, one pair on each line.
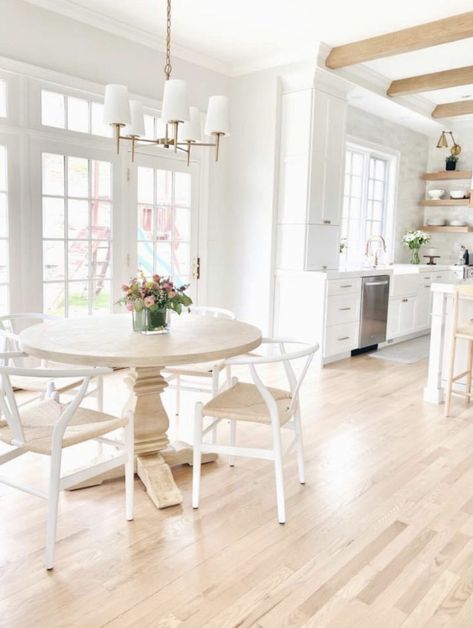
[452,109]
[408,39]
[428,82]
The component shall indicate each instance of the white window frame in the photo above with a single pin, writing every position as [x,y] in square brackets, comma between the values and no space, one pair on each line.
[391,156]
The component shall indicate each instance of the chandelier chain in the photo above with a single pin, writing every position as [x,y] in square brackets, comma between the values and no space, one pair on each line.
[168,66]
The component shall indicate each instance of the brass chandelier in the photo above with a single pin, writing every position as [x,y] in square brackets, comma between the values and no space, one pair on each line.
[181,124]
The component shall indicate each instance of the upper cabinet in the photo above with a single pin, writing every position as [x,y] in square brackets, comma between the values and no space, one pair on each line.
[327,159]
[310,186]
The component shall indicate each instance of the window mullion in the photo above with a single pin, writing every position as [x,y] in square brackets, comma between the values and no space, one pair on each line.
[66,234]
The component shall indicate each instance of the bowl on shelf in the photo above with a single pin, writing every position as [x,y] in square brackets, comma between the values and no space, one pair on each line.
[457,193]
[456,223]
[436,222]
[435,195]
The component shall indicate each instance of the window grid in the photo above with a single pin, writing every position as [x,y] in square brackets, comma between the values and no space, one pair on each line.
[4,245]
[166,250]
[72,113]
[90,292]
[364,200]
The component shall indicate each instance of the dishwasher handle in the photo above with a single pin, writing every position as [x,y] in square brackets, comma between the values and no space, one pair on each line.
[376,283]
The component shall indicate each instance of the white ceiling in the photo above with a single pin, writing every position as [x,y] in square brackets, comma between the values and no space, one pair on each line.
[238,36]
[243,34]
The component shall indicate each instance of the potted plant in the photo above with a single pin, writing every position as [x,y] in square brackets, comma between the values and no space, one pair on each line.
[414,240]
[451,162]
[151,302]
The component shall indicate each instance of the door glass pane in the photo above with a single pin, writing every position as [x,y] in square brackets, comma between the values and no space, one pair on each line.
[78,259]
[53,174]
[3,261]
[3,169]
[77,114]
[163,186]
[78,301]
[101,180]
[101,258]
[53,260]
[182,192]
[182,224]
[78,218]
[52,109]
[163,258]
[181,261]
[3,215]
[100,217]
[102,297]
[145,222]
[145,185]
[163,223]
[53,298]
[78,176]
[145,258]
[53,217]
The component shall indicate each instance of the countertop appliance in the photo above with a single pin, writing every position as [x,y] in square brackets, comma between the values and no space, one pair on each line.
[374,310]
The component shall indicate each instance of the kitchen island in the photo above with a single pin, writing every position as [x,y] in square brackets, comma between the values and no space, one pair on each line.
[440,340]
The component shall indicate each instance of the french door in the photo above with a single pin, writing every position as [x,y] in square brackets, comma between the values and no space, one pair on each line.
[166,219]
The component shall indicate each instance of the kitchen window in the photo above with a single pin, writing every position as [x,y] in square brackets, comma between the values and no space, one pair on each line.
[71,113]
[366,200]
[3,230]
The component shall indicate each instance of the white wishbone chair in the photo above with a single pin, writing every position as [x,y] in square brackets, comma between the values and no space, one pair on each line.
[260,404]
[10,325]
[48,426]
[189,377]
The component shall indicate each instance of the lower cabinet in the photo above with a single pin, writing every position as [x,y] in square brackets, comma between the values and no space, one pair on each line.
[401,316]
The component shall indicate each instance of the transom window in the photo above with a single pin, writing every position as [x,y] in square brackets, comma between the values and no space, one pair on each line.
[73,113]
[77,235]
[164,223]
[365,200]
[3,230]
[3,98]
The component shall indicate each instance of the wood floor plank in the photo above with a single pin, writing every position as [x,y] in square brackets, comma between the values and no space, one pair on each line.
[380,536]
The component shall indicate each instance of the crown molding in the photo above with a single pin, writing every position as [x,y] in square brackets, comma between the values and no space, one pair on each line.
[96,19]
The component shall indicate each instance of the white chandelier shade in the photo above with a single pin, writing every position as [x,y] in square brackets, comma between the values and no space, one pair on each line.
[218,119]
[117,106]
[191,131]
[136,128]
[175,105]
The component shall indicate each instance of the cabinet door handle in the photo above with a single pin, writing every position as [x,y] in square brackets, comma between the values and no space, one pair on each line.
[344,309]
[344,338]
[427,286]
[327,222]
[439,277]
[348,285]
[405,300]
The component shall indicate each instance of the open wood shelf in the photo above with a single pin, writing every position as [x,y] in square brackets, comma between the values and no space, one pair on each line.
[447,229]
[446,175]
[444,202]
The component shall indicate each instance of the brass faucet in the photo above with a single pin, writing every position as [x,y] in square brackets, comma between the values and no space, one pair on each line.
[382,247]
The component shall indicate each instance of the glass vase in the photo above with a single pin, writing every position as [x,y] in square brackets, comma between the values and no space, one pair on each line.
[147,321]
[415,259]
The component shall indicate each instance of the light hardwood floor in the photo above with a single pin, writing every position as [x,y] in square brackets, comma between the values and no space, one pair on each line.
[380,536]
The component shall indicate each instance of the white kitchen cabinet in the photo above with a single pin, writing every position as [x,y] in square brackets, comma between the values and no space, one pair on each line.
[328,159]
[401,316]
[310,183]
[423,306]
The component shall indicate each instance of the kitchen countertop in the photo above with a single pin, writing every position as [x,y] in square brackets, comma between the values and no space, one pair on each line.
[366,271]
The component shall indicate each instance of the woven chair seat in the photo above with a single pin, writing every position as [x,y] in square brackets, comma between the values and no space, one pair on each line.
[40,384]
[201,369]
[243,402]
[38,422]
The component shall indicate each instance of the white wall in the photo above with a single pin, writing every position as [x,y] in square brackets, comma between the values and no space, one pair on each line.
[413,155]
[448,244]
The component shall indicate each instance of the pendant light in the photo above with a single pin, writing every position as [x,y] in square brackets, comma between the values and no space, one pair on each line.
[180,125]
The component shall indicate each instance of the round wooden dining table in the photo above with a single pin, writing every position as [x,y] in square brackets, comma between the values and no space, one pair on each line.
[110,341]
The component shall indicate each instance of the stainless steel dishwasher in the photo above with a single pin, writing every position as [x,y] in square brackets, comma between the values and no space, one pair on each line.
[374,310]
